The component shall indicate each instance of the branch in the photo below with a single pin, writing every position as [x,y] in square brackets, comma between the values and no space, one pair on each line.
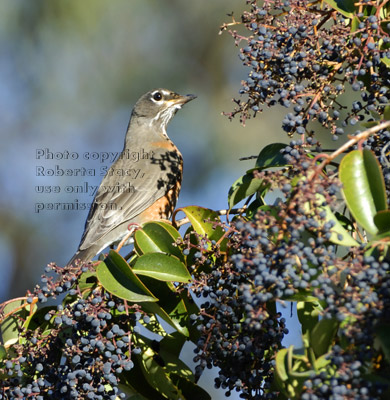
[355,139]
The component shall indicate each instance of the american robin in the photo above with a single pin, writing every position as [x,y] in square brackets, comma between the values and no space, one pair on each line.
[143,184]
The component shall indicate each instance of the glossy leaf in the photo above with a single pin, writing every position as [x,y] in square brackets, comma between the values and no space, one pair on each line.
[363,187]
[280,376]
[345,7]
[253,207]
[3,352]
[37,320]
[383,339]
[88,280]
[339,235]
[386,61]
[162,367]
[308,313]
[154,308]
[382,221]
[281,364]
[355,24]
[190,307]
[162,267]
[198,217]
[271,156]
[301,295]
[136,396]
[172,344]
[117,277]
[386,113]
[189,390]
[376,180]
[136,380]
[369,124]
[244,187]
[168,351]
[157,237]
[18,310]
[322,335]
[170,306]
[157,377]
[322,362]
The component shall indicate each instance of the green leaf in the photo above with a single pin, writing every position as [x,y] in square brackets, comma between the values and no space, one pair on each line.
[87,280]
[154,308]
[173,364]
[375,180]
[322,335]
[271,156]
[157,377]
[382,221]
[252,209]
[9,327]
[117,277]
[301,295]
[157,237]
[198,215]
[355,24]
[135,379]
[383,339]
[189,389]
[281,364]
[338,234]
[170,306]
[3,352]
[345,7]
[363,187]
[386,61]
[172,344]
[37,320]
[280,375]
[162,267]
[188,304]
[180,315]
[308,313]
[386,113]
[322,362]
[244,187]
[369,124]
[134,397]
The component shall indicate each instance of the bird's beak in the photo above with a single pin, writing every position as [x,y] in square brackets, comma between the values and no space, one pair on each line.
[189,97]
[180,100]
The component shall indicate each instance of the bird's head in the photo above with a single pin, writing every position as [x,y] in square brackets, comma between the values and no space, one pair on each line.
[157,107]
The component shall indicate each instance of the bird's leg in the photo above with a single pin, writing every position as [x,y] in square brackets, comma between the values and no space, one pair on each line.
[131,228]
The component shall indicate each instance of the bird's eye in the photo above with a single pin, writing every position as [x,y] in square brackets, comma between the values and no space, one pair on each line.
[157,96]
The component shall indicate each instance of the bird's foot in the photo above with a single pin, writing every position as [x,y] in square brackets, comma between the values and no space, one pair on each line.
[131,228]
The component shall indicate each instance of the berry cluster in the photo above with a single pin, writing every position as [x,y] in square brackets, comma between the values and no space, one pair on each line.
[304,57]
[241,330]
[357,293]
[81,348]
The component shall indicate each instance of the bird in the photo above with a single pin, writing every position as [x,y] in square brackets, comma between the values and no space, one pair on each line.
[143,184]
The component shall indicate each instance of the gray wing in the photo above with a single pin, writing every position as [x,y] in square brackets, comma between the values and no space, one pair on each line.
[149,180]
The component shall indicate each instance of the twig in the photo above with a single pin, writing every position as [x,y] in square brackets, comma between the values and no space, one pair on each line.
[355,139]
[247,158]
